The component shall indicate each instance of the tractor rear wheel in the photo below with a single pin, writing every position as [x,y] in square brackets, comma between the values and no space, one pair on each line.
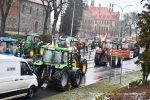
[97,59]
[75,77]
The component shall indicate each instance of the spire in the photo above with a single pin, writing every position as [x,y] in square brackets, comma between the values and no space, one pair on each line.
[92,2]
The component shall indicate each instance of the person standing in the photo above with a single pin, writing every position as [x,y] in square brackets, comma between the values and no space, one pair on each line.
[86,45]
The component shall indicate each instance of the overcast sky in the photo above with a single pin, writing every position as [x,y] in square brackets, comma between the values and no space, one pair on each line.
[136,5]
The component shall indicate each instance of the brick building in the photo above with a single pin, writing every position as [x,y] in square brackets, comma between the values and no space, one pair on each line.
[32,15]
[99,20]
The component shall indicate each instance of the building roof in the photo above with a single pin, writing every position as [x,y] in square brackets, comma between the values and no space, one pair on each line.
[100,13]
[38,1]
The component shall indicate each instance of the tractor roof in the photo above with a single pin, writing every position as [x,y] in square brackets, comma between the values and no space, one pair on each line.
[71,39]
[6,39]
[56,48]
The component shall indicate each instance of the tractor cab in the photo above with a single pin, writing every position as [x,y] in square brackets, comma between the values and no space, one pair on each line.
[32,38]
[67,42]
[31,46]
[9,45]
[55,56]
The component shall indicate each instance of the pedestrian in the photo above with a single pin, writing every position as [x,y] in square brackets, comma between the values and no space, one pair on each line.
[86,45]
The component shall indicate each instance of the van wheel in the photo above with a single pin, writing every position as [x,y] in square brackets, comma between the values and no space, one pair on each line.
[31,92]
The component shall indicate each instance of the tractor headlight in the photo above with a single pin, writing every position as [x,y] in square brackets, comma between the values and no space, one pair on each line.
[97,48]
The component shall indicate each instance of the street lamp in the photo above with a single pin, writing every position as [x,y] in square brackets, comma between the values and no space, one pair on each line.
[72,17]
[122,9]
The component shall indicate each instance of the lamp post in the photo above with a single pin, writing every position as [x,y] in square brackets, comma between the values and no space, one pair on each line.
[122,10]
[72,17]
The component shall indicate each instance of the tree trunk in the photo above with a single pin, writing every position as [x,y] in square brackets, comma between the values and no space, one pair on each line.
[130,30]
[45,23]
[54,25]
[3,24]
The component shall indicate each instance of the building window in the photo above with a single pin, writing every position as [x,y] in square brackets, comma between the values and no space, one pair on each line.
[37,11]
[43,12]
[36,27]
[30,10]
[23,8]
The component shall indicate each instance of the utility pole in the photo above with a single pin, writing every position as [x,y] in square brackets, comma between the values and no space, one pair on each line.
[72,17]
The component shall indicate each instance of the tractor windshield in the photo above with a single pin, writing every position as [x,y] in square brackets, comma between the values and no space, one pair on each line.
[52,57]
[30,38]
[10,47]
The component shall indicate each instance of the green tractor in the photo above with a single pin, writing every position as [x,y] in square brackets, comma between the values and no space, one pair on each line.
[72,43]
[96,42]
[31,46]
[55,68]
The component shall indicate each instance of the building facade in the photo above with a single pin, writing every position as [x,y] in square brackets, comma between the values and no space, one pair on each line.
[26,16]
[98,20]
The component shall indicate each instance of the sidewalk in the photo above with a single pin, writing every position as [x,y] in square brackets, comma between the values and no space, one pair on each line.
[103,86]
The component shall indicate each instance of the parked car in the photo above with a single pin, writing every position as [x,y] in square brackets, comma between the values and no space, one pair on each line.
[16,78]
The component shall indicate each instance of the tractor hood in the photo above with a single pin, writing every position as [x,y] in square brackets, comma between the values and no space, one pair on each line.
[38,63]
[59,66]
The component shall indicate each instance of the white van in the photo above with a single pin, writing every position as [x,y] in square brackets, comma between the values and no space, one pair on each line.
[16,78]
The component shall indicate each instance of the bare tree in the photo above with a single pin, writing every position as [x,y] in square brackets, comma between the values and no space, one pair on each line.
[130,22]
[57,7]
[48,10]
[5,6]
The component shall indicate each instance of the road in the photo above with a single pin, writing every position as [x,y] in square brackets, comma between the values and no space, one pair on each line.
[94,74]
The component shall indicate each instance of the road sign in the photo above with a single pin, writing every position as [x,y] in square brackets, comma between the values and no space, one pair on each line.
[121,53]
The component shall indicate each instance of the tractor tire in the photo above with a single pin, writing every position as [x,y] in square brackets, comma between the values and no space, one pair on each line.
[31,53]
[61,79]
[119,63]
[83,66]
[97,59]
[75,77]
[75,61]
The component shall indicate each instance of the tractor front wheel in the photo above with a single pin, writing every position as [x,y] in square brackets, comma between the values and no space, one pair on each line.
[75,77]
[83,66]
[61,79]
[74,62]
